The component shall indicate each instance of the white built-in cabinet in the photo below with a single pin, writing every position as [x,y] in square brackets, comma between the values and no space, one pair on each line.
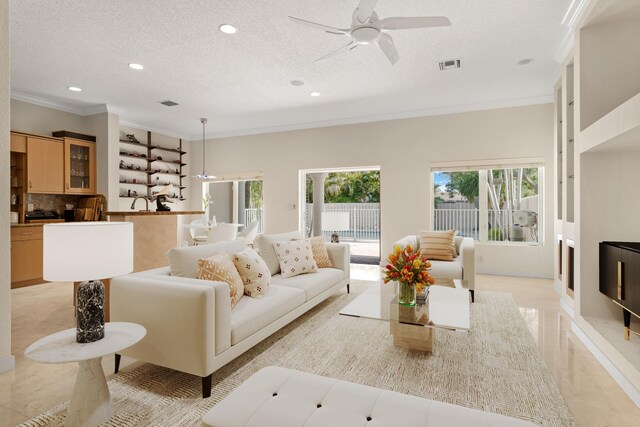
[597,165]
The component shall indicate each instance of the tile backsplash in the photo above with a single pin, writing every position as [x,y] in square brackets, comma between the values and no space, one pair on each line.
[52,202]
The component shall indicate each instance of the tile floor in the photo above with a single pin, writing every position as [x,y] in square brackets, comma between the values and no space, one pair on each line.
[592,395]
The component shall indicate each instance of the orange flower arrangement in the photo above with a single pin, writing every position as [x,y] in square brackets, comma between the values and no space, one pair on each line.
[407,266]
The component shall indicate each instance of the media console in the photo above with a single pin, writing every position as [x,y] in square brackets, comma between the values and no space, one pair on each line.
[620,277]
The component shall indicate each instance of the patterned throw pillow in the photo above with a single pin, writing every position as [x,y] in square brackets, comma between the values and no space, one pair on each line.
[254,272]
[220,268]
[295,257]
[320,254]
[438,245]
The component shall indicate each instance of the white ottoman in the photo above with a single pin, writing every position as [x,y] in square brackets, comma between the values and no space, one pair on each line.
[280,397]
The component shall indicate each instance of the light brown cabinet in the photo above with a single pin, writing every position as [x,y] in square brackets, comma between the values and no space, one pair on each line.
[79,166]
[45,166]
[26,256]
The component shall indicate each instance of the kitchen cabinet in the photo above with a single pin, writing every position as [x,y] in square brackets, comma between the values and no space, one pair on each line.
[45,165]
[26,256]
[79,166]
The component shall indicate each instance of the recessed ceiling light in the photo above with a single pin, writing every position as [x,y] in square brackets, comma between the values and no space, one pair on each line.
[297,82]
[525,61]
[136,66]
[228,29]
[74,89]
[315,94]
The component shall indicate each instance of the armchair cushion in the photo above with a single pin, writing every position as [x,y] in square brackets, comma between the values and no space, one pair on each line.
[438,245]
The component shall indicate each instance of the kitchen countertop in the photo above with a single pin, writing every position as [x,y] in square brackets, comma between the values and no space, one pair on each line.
[140,213]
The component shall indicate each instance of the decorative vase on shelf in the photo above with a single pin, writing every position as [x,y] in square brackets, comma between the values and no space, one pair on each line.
[406,294]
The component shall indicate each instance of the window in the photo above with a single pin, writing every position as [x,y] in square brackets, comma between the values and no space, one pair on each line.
[490,203]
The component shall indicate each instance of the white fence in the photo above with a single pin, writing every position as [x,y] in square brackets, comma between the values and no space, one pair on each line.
[364,220]
[467,222]
[252,215]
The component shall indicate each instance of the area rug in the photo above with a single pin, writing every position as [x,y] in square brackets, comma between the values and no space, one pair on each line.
[496,367]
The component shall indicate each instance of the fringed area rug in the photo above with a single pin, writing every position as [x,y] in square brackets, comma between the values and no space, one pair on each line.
[496,367]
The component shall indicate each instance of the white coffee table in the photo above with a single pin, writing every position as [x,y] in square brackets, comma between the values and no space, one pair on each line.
[90,401]
[412,326]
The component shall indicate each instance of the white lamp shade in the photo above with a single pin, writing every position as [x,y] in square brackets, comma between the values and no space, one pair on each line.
[80,251]
[335,221]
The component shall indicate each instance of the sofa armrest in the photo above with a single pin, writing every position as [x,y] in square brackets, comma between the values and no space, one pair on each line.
[340,257]
[188,321]
[468,261]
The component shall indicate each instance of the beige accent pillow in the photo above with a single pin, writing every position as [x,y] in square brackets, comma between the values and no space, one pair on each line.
[319,250]
[253,271]
[184,260]
[437,245]
[220,268]
[295,257]
[264,244]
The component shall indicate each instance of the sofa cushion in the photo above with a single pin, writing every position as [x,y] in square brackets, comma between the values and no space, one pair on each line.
[251,315]
[320,254]
[312,284]
[446,269]
[220,268]
[264,244]
[437,245]
[295,257]
[184,260]
[254,272]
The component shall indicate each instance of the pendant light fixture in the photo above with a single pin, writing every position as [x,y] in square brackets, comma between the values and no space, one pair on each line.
[204,175]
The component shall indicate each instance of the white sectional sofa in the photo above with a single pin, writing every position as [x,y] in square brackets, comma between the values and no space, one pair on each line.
[463,267]
[190,324]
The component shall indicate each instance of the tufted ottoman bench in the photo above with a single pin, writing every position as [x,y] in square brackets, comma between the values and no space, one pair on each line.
[280,397]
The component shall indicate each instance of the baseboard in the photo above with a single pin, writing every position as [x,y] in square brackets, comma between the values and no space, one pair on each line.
[618,377]
[566,306]
[7,363]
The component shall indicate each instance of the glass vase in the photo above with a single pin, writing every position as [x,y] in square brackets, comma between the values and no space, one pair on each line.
[406,294]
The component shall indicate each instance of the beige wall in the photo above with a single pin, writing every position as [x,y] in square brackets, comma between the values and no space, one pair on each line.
[32,118]
[6,360]
[404,150]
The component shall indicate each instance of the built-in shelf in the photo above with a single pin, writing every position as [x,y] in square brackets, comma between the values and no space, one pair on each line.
[149,146]
[617,130]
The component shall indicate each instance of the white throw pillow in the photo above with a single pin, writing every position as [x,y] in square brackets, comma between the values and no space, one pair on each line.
[253,271]
[296,257]
[264,244]
[184,260]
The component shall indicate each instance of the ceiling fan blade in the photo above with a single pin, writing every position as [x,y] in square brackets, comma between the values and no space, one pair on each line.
[350,46]
[364,11]
[386,44]
[324,28]
[413,22]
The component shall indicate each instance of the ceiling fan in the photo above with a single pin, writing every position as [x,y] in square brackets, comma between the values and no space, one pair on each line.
[367,28]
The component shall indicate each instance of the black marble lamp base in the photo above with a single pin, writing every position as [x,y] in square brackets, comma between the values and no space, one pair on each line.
[335,237]
[90,312]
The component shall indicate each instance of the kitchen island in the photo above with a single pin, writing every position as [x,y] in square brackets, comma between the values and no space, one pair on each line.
[154,233]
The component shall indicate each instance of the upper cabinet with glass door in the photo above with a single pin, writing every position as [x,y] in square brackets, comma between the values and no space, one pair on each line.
[79,166]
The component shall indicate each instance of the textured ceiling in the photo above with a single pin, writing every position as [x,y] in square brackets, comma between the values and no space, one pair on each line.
[241,82]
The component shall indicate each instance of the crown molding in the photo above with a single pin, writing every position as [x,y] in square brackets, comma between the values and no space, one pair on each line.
[438,111]
[58,105]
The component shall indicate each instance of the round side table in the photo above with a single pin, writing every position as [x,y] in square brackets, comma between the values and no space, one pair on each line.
[90,401]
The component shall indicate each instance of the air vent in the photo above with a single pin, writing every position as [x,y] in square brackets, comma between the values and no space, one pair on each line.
[450,64]
[168,103]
